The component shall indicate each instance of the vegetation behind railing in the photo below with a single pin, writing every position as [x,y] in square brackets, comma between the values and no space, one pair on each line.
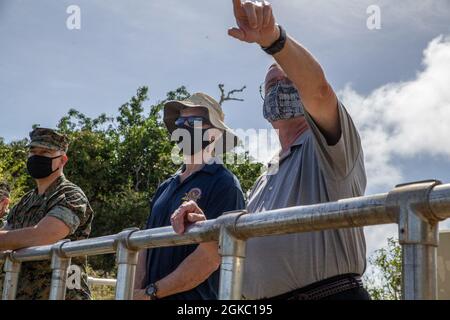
[118,160]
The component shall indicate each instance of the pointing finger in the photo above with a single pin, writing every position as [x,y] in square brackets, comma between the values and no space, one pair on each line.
[267,13]
[259,10]
[237,7]
[250,11]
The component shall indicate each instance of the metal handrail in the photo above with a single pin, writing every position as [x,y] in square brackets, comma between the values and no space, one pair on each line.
[415,207]
[101,282]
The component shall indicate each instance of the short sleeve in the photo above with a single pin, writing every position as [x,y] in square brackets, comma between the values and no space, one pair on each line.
[341,158]
[227,196]
[73,211]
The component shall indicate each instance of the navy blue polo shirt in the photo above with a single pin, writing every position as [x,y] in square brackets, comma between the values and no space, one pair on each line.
[216,190]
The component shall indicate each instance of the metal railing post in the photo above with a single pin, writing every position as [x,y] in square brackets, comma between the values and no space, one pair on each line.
[126,259]
[12,269]
[416,207]
[60,265]
[232,251]
[418,236]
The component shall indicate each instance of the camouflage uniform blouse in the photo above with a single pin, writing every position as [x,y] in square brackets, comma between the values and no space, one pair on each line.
[66,202]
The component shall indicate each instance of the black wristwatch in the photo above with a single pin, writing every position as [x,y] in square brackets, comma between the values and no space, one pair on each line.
[152,291]
[278,45]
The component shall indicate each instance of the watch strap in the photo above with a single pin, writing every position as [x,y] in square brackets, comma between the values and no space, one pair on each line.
[278,45]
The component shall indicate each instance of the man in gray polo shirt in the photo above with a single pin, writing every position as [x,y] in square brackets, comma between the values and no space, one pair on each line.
[308,170]
[321,160]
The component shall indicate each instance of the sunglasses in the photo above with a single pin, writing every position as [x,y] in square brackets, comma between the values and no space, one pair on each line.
[262,87]
[191,121]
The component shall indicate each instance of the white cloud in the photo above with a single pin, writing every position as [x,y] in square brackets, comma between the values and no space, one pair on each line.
[405,119]
[400,121]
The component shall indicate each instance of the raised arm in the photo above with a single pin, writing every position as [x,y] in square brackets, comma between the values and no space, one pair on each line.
[256,24]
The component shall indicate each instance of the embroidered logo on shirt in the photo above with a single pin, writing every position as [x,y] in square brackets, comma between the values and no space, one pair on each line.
[194,194]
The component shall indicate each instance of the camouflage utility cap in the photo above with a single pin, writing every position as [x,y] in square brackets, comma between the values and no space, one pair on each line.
[49,139]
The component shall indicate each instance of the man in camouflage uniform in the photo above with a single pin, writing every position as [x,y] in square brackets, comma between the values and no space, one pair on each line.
[57,209]
[4,201]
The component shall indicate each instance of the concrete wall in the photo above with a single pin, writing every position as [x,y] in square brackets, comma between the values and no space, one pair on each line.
[443,265]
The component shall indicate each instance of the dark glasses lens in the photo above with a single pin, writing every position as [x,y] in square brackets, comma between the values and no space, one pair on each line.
[262,87]
[192,121]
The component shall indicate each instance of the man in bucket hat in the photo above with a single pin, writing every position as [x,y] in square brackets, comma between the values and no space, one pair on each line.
[321,161]
[190,272]
[57,209]
[204,106]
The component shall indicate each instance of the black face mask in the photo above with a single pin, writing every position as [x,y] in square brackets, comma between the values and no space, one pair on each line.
[194,133]
[40,167]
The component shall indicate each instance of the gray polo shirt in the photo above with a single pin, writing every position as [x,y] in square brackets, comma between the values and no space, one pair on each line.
[310,172]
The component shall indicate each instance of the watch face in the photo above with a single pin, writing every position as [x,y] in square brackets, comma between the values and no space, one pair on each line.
[151,290]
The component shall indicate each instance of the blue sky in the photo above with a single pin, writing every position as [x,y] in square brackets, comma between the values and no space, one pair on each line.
[45,69]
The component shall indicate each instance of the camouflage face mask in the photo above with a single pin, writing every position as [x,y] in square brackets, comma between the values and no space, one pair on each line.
[282,101]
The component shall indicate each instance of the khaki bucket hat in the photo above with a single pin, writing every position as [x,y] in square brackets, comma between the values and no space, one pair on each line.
[215,114]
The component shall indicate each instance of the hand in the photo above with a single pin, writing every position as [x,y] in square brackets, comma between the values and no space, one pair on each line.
[4,204]
[188,213]
[139,294]
[256,23]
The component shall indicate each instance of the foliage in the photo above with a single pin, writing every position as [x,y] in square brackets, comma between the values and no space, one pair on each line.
[117,161]
[384,282]
[13,167]
[102,292]
[246,170]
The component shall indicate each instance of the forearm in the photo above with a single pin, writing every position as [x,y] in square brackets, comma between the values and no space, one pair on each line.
[316,93]
[22,238]
[256,23]
[193,271]
[48,231]
[304,71]
[139,280]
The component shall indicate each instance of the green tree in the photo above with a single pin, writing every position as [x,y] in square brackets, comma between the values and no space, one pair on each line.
[13,167]
[385,280]
[118,161]
[246,170]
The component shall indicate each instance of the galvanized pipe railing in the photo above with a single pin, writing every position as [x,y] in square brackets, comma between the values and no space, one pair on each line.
[101,282]
[416,208]
[60,263]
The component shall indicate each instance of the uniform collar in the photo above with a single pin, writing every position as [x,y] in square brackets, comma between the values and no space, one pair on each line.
[51,188]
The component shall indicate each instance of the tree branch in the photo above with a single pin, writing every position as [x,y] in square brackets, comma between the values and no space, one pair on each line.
[229,95]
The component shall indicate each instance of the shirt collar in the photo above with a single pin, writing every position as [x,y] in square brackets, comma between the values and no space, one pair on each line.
[300,140]
[51,188]
[208,168]
[211,168]
[279,157]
